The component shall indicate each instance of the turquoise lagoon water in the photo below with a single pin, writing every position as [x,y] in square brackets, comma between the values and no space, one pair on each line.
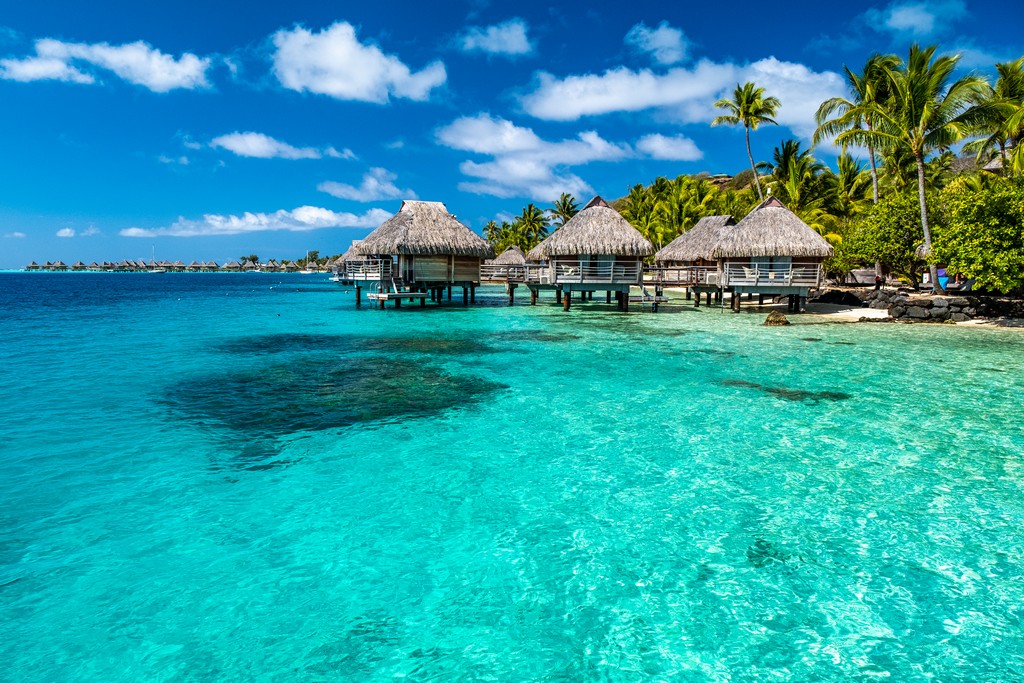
[244,478]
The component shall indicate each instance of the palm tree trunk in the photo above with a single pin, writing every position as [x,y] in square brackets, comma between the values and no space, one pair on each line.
[757,182]
[874,193]
[932,268]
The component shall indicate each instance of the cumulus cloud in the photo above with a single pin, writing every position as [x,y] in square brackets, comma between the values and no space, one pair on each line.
[137,63]
[508,38]
[333,62]
[686,94]
[916,19]
[179,160]
[676,148]
[665,44]
[522,164]
[262,146]
[15,235]
[378,184]
[66,232]
[301,219]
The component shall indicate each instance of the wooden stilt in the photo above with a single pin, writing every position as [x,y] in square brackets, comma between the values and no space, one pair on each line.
[625,302]
[382,304]
[449,293]
[472,294]
[511,295]
[558,296]
[465,296]
[359,296]
[423,301]
[760,299]
[696,299]
[398,302]
[533,297]
[689,295]
[608,297]
[566,301]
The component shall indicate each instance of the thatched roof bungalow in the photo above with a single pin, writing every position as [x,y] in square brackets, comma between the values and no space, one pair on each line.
[595,250]
[430,248]
[510,264]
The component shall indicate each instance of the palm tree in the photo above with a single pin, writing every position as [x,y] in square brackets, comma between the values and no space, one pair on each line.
[850,188]
[924,111]
[867,89]
[751,108]
[564,208]
[1007,125]
[531,225]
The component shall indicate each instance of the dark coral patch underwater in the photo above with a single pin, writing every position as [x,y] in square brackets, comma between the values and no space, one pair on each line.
[279,399]
[788,393]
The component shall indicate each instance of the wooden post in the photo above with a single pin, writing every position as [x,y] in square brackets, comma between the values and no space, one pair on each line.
[382,304]
[696,299]
[533,297]
[625,301]
[465,296]
[558,296]
[566,301]
[760,299]
[608,297]
[423,301]
[511,295]
[689,295]
[449,292]
[359,296]
[472,294]
[398,302]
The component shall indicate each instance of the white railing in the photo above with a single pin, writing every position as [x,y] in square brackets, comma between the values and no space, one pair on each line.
[496,273]
[368,269]
[563,271]
[781,275]
[682,276]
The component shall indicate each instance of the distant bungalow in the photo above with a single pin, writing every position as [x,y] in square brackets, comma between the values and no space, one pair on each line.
[420,251]
[595,250]
[770,252]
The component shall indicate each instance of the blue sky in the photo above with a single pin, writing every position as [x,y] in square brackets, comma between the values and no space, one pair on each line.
[197,130]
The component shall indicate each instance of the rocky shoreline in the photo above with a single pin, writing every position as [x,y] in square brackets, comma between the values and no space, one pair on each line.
[903,305]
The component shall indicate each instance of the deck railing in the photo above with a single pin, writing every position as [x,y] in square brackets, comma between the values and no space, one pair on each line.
[682,276]
[566,271]
[367,269]
[498,273]
[763,275]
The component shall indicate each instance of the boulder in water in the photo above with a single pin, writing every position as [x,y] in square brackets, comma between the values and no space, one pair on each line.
[776,319]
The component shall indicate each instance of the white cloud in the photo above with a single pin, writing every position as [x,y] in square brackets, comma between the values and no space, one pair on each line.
[523,164]
[665,44]
[916,19]
[66,232]
[91,232]
[677,148]
[262,146]
[301,219]
[333,62]
[136,63]
[378,184]
[686,94]
[180,160]
[15,235]
[507,38]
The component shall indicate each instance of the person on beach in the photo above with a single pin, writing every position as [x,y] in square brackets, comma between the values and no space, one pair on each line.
[878,282]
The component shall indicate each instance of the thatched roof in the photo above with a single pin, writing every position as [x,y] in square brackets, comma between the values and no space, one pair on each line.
[771,230]
[513,256]
[426,229]
[352,254]
[597,229]
[698,242]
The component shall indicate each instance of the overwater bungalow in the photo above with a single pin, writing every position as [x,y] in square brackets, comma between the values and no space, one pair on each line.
[59,265]
[248,266]
[595,250]
[78,265]
[291,267]
[32,266]
[510,263]
[271,266]
[420,251]
[231,267]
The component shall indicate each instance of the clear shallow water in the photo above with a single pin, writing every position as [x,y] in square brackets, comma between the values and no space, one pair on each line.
[202,479]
